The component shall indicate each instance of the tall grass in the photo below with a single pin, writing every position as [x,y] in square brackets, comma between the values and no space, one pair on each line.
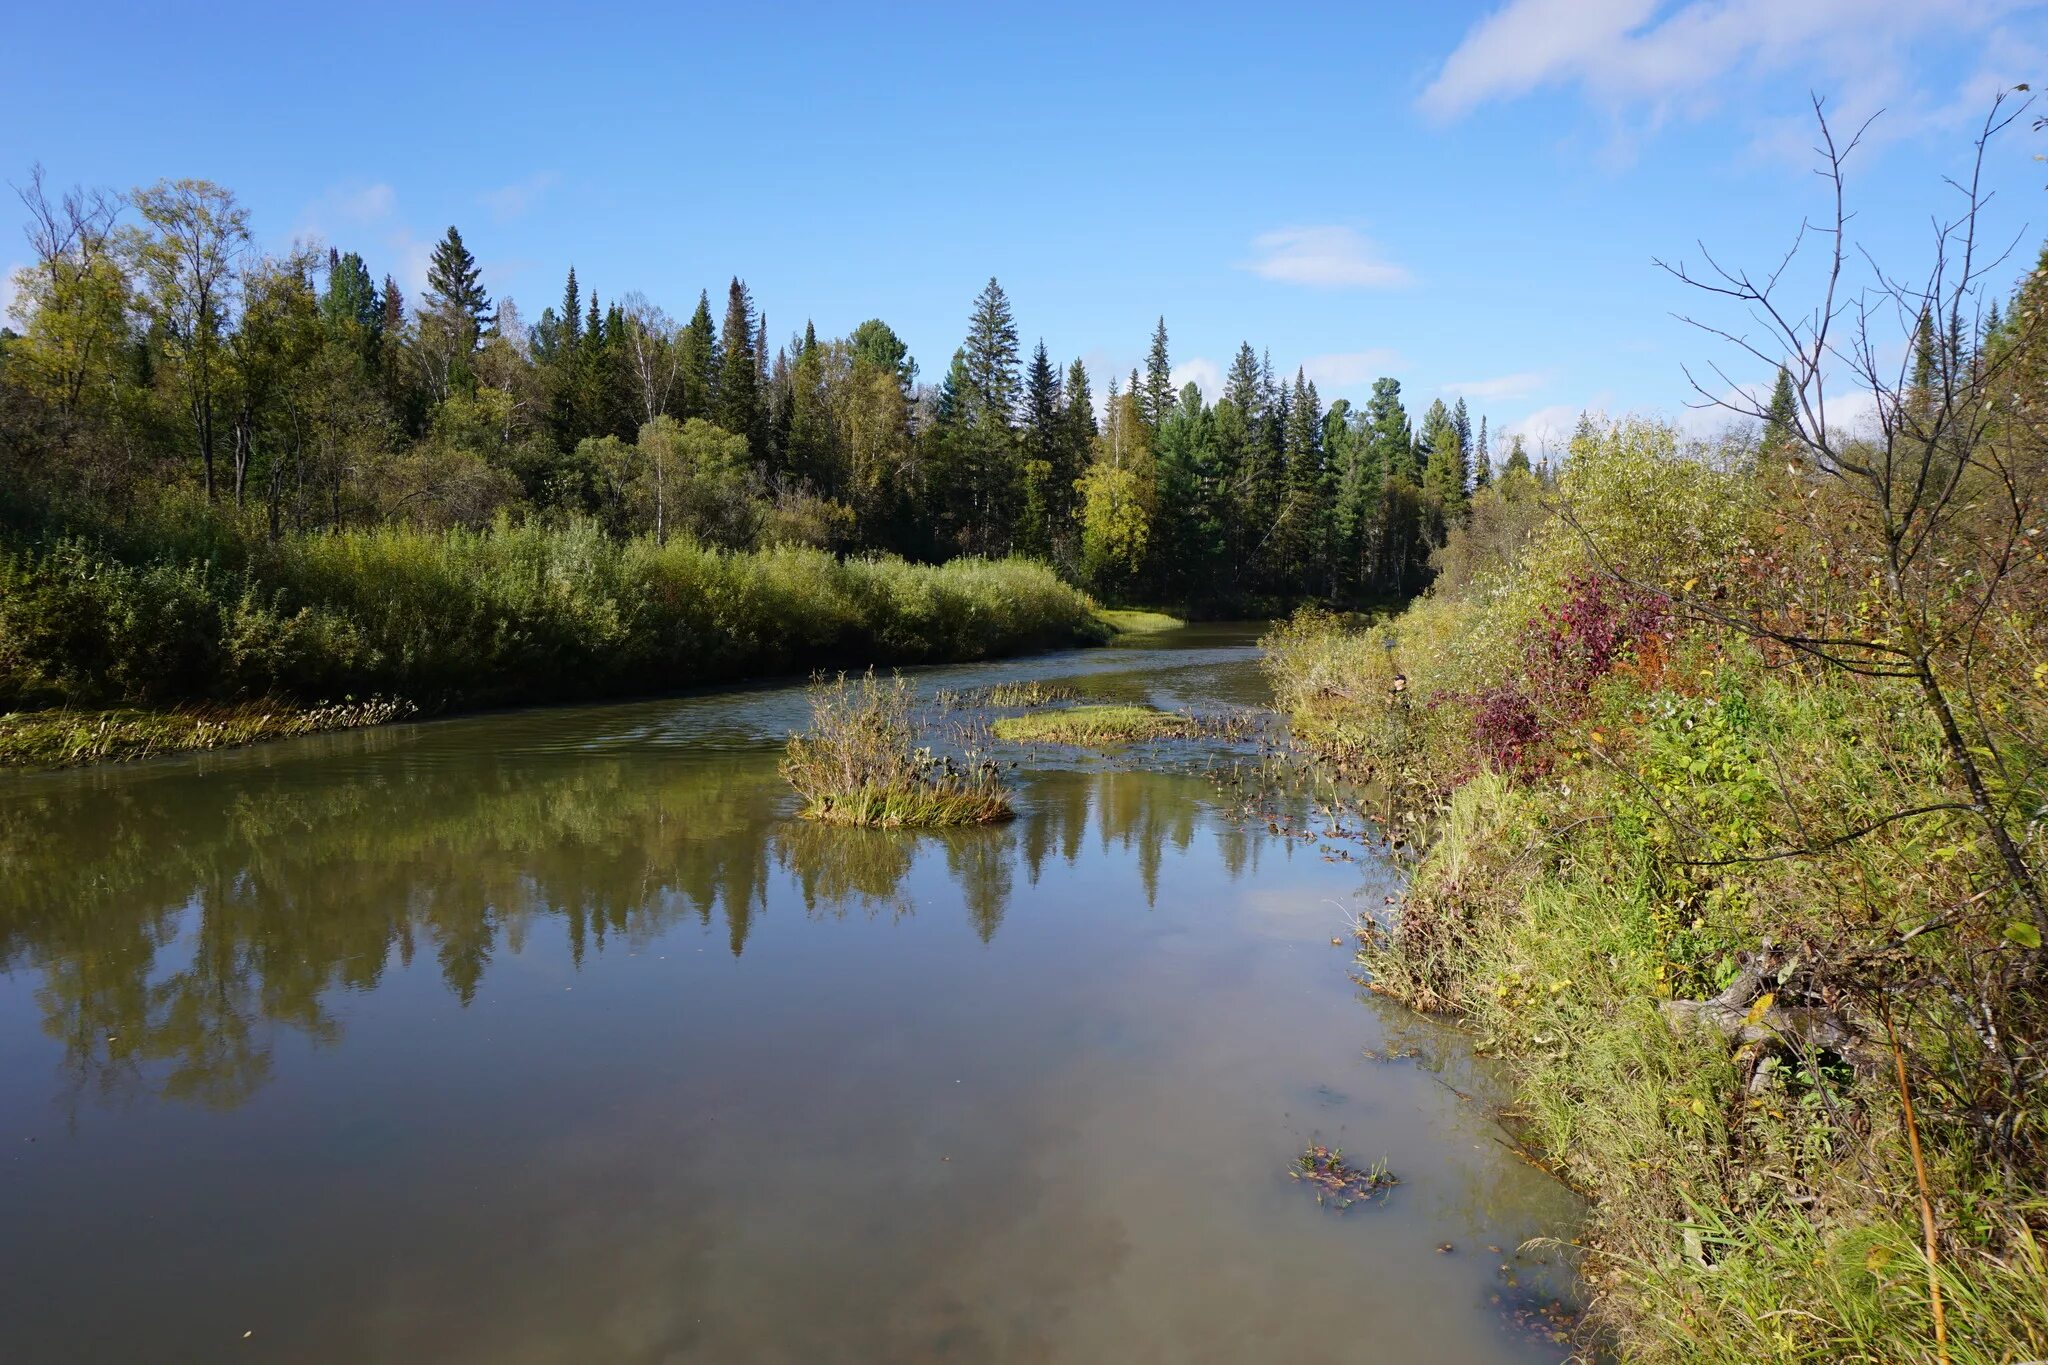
[861,763]
[513,613]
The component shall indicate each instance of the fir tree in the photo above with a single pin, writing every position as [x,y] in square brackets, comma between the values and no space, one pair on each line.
[1482,460]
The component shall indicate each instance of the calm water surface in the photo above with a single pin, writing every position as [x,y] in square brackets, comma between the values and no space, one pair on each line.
[550,1037]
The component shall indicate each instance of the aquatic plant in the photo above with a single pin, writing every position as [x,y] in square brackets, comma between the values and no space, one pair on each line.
[1337,1183]
[860,763]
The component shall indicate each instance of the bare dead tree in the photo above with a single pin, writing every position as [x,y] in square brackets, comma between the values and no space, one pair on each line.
[1934,501]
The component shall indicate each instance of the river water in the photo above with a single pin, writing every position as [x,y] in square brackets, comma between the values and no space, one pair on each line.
[549,1036]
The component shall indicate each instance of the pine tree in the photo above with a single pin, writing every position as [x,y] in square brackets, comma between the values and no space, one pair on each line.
[393,299]
[455,290]
[1462,420]
[1156,399]
[1482,460]
[736,403]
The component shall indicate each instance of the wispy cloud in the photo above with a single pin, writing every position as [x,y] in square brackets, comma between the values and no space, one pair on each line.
[1204,373]
[515,200]
[1547,429]
[1330,257]
[1500,387]
[1656,61]
[1350,369]
[365,218]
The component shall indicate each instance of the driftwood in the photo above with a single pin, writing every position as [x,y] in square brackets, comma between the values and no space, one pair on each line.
[1733,1015]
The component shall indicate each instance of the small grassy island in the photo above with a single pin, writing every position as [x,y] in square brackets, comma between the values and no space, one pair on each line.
[1094,726]
[860,764]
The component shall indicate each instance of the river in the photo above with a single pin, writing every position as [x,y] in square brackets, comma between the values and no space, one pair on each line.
[549,1036]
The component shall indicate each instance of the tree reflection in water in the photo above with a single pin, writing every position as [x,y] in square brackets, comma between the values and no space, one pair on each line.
[175,935]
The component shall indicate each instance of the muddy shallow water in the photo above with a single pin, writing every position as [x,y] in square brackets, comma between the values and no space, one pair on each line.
[548,1036]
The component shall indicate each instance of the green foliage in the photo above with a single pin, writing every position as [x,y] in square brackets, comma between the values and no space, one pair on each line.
[510,613]
[1710,814]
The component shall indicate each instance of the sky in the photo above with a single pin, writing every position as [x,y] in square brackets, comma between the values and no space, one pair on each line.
[1470,198]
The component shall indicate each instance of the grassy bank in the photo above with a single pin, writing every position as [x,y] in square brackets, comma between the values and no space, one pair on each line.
[1770,994]
[65,738]
[512,614]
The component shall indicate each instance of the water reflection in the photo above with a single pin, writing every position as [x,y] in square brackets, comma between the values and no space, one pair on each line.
[174,935]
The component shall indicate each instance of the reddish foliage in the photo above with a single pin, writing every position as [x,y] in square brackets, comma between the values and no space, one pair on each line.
[1569,647]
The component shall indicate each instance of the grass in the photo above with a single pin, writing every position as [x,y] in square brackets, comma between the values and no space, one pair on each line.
[860,764]
[510,614]
[66,738]
[1095,726]
[1130,621]
[1009,694]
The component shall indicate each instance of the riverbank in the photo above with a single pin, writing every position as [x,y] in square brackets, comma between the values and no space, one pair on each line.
[1763,988]
[107,654]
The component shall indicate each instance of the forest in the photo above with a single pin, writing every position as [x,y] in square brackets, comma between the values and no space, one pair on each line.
[156,358]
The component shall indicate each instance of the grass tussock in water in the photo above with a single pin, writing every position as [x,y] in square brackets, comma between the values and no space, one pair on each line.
[66,738]
[1006,695]
[1106,726]
[1094,726]
[861,763]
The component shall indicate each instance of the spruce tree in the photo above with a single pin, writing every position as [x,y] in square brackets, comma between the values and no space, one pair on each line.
[1482,460]
[1781,418]
[699,361]
[1518,458]
[1156,399]
[736,405]
[455,289]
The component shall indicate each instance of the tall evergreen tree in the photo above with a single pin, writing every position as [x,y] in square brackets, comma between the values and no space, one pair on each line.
[1482,460]
[698,363]
[1156,398]
[1781,418]
[736,401]
[455,290]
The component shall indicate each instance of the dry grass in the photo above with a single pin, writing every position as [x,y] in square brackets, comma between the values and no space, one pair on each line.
[860,764]
[67,738]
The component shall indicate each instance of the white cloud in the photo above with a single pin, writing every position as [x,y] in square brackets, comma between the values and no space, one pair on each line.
[7,318]
[1627,55]
[1546,429]
[1331,257]
[1500,387]
[514,200]
[1204,373]
[1350,369]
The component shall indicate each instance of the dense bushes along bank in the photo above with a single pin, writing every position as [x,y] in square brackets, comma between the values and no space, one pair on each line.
[1727,908]
[513,613]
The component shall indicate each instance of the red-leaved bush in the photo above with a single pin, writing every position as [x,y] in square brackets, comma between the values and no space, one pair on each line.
[1566,650]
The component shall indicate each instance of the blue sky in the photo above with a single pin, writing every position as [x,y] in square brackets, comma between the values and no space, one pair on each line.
[1466,197]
